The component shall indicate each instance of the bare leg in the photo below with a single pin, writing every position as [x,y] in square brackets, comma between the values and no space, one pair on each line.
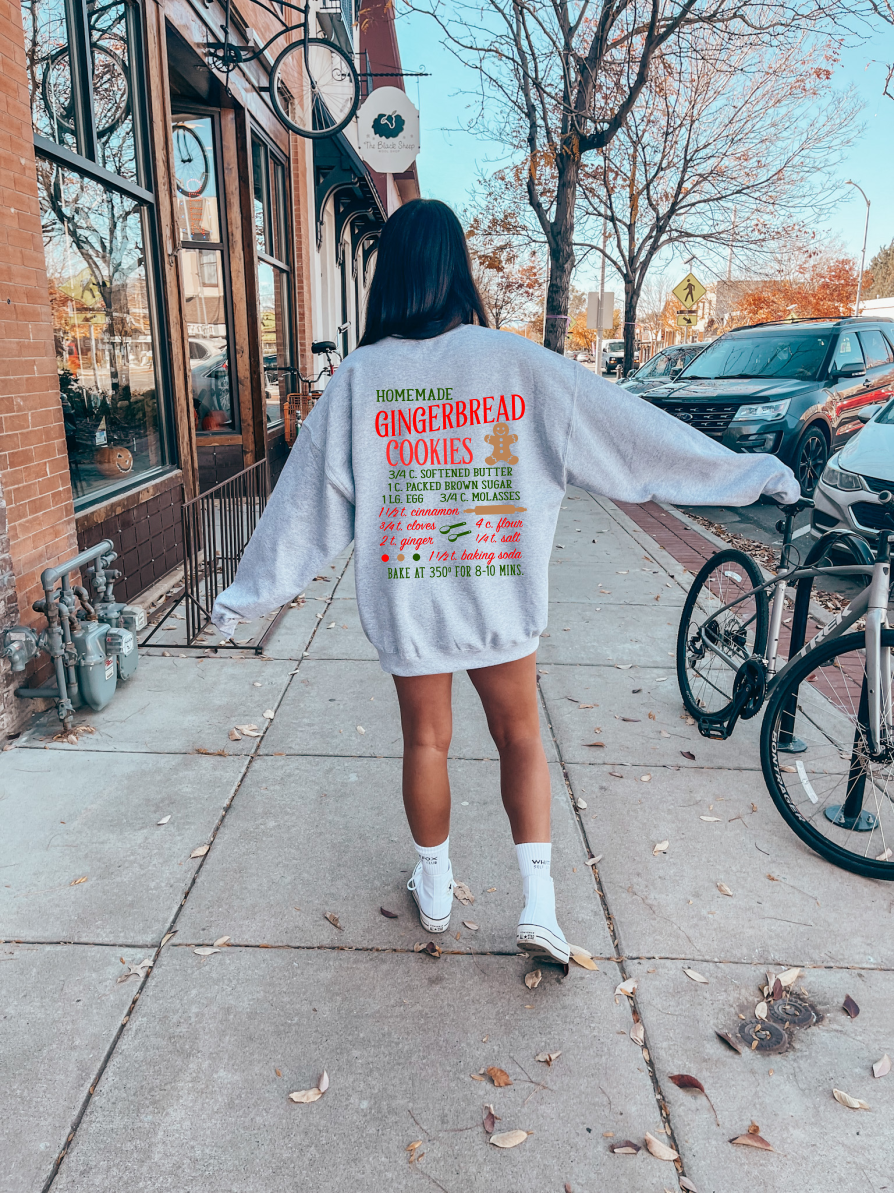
[426,718]
[509,695]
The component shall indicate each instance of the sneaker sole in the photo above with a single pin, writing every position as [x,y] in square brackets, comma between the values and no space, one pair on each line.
[542,945]
[429,924]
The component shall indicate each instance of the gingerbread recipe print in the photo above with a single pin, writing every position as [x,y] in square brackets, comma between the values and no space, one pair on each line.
[451,502]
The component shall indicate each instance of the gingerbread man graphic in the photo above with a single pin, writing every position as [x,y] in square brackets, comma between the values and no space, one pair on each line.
[502,449]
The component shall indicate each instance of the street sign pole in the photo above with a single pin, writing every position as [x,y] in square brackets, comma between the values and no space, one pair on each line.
[601,320]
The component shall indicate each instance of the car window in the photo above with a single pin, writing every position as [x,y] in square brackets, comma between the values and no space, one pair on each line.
[794,355]
[848,350]
[875,348]
[886,415]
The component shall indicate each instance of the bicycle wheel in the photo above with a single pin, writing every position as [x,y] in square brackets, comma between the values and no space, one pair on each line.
[111,90]
[327,86]
[191,166]
[705,679]
[836,797]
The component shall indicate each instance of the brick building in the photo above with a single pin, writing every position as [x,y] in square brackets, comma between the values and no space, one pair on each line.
[169,251]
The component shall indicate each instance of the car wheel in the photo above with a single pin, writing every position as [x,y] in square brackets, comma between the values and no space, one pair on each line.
[810,460]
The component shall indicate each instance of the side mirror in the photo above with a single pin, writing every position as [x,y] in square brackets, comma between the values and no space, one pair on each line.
[850,368]
[867,414]
[632,372]
[676,371]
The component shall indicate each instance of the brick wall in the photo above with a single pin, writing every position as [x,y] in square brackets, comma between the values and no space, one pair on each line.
[33,459]
[38,527]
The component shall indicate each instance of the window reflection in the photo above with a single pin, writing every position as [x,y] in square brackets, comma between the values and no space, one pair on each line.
[273,298]
[271,239]
[94,246]
[105,99]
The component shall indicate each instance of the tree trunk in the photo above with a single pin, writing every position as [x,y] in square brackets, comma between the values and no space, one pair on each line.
[631,302]
[561,254]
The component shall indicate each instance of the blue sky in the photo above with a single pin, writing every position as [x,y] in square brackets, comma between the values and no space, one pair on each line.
[450,159]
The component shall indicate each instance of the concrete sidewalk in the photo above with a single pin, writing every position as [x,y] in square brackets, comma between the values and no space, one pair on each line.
[177,1077]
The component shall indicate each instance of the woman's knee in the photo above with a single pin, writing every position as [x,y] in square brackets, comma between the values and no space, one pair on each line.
[511,736]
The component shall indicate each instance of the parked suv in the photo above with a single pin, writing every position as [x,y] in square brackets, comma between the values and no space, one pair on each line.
[661,368]
[795,389]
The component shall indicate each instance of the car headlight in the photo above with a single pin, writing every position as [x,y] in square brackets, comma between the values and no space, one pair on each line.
[838,478]
[763,410]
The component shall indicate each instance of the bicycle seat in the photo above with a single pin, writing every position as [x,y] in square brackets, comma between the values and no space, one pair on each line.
[318,347]
[803,503]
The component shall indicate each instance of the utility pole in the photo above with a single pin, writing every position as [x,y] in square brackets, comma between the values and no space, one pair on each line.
[601,319]
[863,254]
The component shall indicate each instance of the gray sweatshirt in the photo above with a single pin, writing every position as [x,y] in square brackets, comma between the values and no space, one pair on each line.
[446,461]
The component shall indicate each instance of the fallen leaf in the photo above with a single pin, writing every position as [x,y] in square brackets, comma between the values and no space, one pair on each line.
[711,819]
[547,1058]
[278,1072]
[360,729]
[850,1006]
[730,1041]
[595,745]
[631,720]
[509,1138]
[471,925]
[660,1150]
[462,892]
[664,732]
[581,804]
[411,1147]
[752,1139]
[625,1147]
[593,861]
[792,770]
[696,977]
[499,1077]
[581,957]
[136,971]
[882,1067]
[586,706]
[687,1184]
[623,666]
[532,979]
[627,987]
[687,1081]
[205,951]
[760,1011]
[221,941]
[167,936]
[645,778]
[476,1076]
[490,1120]
[777,992]
[724,889]
[201,851]
[389,915]
[789,976]
[164,819]
[306,1095]
[661,847]
[78,881]
[431,949]
[688,754]
[249,730]
[234,735]
[846,1100]
[886,856]
[333,920]
[638,1034]
[323,1083]
[615,774]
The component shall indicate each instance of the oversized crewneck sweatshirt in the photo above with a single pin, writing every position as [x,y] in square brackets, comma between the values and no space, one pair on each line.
[445,461]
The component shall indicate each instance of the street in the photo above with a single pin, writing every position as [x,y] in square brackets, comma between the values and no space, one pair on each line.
[194,926]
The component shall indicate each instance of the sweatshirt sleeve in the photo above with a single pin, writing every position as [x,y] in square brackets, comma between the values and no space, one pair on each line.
[624,448]
[308,521]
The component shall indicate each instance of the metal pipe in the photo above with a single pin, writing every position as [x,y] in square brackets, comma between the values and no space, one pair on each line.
[49,576]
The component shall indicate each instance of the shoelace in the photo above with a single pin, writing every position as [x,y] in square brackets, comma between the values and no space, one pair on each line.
[411,885]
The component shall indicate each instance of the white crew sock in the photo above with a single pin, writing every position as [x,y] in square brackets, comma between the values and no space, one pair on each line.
[435,865]
[534,859]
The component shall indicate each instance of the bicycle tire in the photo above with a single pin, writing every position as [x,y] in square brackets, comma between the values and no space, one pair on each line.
[350,70]
[121,115]
[185,130]
[845,859]
[729,560]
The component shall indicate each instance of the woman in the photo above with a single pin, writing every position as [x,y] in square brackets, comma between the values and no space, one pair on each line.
[443,449]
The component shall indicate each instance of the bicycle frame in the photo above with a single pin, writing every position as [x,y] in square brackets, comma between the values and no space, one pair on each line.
[871,603]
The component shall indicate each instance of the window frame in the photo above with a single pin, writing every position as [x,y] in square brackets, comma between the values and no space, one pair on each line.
[77,31]
[223,247]
[284,267]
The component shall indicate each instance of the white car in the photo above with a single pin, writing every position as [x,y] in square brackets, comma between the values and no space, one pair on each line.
[854,491]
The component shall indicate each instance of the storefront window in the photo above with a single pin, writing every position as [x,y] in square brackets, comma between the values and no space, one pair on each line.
[272,241]
[203,264]
[98,240]
[94,241]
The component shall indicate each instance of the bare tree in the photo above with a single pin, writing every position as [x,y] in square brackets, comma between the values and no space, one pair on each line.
[731,151]
[510,277]
[559,78]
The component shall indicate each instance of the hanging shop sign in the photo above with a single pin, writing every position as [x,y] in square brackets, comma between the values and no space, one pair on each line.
[388,130]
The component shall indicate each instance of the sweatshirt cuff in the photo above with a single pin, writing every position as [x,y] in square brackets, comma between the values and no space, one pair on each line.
[226,622]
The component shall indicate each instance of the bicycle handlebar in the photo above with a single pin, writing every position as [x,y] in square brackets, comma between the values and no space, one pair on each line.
[803,503]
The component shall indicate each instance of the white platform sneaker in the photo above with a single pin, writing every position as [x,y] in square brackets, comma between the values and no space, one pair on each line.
[434,905]
[539,935]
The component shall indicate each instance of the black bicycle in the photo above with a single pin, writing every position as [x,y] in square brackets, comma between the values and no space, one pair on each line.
[314,87]
[827,738]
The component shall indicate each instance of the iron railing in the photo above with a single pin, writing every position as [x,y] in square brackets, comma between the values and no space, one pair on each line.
[217,526]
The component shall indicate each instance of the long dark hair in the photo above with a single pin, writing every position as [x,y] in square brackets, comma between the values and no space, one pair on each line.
[423,281]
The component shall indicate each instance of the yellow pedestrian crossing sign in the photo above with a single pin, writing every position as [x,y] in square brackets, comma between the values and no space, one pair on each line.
[690,291]
[686,319]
